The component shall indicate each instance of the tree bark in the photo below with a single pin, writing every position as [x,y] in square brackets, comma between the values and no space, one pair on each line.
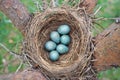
[107,48]
[88,5]
[16,12]
[28,74]
[5,77]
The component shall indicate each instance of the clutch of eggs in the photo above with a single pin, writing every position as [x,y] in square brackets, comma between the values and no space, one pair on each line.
[58,43]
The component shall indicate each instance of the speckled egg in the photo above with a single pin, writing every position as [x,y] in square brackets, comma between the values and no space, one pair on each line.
[62,49]
[65,39]
[55,36]
[63,29]
[54,55]
[50,45]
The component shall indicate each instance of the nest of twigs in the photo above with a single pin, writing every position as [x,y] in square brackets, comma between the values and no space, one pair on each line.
[71,66]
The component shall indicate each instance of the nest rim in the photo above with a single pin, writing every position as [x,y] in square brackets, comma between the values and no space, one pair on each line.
[84,33]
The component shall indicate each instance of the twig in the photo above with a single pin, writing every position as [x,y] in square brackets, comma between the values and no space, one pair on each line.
[21,63]
[53,3]
[57,2]
[103,18]
[98,31]
[39,7]
[12,53]
[97,10]
[99,25]
[26,59]
[77,4]
[45,4]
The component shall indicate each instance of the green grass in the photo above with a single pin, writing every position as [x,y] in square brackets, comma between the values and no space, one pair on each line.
[112,74]
[12,38]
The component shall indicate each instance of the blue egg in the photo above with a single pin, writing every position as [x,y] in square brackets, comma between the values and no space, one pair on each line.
[63,29]
[62,49]
[54,55]
[50,45]
[55,36]
[65,39]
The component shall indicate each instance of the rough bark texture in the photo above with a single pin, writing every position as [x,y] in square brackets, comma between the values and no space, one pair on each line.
[5,77]
[88,5]
[107,48]
[16,12]
[28,75]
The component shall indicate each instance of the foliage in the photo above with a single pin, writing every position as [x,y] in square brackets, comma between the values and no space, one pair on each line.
[12,38]
[109,9]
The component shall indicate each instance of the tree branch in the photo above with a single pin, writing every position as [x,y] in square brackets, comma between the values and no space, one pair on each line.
[88,5]
[16,12]
[24,75]
[6,77]
[107,49]
[28,75]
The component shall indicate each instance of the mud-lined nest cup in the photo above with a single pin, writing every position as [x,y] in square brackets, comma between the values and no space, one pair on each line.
[69,65]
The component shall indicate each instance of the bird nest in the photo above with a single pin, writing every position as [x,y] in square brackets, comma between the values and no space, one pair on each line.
[73,65]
